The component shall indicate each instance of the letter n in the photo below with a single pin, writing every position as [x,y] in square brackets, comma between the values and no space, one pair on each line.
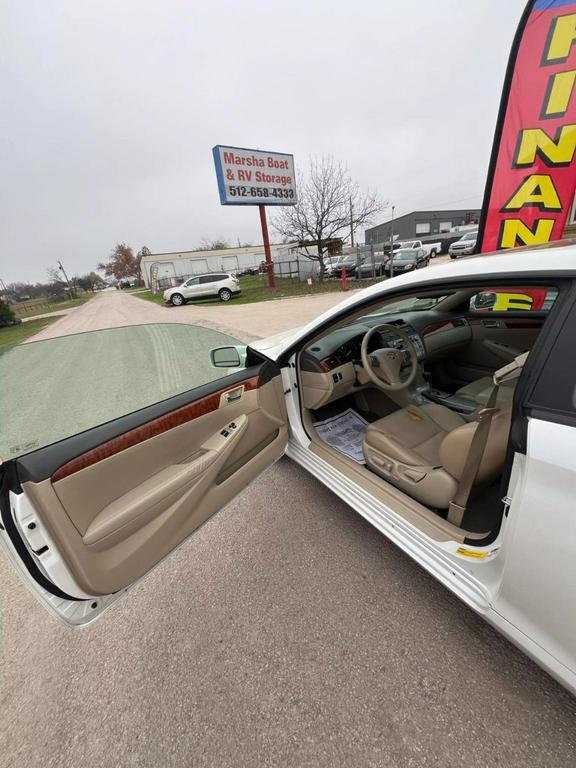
[514,233]
[557,152]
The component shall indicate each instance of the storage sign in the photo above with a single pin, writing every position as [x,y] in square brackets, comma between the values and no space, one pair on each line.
[253,177]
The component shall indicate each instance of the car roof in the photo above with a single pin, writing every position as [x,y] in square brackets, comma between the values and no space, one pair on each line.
[205,274]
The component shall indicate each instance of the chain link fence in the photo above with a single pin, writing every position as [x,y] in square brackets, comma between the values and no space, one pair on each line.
[362,263]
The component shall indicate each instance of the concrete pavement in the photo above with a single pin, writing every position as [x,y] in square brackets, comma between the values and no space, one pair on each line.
[112,309]
[286,632]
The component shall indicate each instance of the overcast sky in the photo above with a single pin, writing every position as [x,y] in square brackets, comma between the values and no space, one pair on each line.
[110,109]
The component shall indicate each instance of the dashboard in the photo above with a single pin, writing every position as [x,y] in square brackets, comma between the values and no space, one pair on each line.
[331,367]
[343,346]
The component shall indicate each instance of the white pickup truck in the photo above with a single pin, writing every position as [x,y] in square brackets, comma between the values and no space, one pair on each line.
[432,249]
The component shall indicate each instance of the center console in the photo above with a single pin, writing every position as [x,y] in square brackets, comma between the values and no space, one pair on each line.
[454,402]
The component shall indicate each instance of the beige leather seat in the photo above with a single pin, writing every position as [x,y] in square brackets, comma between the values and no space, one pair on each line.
[479,391]
[422,450]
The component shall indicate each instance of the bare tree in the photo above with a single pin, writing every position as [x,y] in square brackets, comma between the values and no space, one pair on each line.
[219,244]
[330,205]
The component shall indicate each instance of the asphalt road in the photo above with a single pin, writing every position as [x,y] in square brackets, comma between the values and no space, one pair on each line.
[286,632]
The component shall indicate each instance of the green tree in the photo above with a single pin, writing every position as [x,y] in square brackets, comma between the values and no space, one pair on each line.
[90,282]
[7,317]
[121,264]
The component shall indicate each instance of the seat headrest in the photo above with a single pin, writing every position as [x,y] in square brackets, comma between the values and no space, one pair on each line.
[511,371]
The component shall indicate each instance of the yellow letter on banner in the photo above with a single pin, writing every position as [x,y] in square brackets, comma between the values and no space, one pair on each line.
[555,152]
[561,40]
[537,191]
[515,232]
[559,94]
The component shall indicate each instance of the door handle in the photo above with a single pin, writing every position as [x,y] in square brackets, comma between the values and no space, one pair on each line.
[231,396]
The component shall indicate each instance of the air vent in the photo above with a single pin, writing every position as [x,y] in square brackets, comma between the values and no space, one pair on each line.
[331,362]
[397,322]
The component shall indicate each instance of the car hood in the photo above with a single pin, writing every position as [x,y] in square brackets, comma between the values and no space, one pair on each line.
[270,342]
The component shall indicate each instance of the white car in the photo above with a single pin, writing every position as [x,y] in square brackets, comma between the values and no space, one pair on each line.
[465,246]
[449,425]
[329,263]
[217,284]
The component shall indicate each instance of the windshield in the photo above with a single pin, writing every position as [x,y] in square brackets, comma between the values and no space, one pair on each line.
[412,304]
[470,236]
[404,256]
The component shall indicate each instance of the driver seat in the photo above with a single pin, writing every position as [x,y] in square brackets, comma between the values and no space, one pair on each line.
[423,449]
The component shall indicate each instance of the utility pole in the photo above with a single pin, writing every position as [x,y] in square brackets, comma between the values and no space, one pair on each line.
[66,278]
[392,244]
[351,224]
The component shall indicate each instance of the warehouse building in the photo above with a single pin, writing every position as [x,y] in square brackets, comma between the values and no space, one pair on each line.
[423,225]
[173,268]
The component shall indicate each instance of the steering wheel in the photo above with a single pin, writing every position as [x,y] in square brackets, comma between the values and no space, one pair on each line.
[384,366]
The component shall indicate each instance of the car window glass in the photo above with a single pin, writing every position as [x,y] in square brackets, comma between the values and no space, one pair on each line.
[507,299]
[206,279]
[99,376]
[554,392]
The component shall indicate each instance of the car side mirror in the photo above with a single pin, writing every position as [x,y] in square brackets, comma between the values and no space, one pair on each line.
[483,301]
[228,357]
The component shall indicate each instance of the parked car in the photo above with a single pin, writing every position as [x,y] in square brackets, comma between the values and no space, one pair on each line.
[470,469]
[330,262]
[465,246]
[374,266]
[350,263]
[396,246]
[246,271]
[406,260]
[405,244]
[218,284]
[432,249]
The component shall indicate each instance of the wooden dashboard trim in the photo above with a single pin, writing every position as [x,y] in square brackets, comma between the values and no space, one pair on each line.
[150,429]
[433,327]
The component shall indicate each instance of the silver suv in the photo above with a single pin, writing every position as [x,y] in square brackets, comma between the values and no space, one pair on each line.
[465,246]
[215,284]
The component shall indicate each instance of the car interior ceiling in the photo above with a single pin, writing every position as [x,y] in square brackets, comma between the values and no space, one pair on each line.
[413,440]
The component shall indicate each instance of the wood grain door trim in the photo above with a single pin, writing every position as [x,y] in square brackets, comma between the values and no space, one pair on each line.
[150,429]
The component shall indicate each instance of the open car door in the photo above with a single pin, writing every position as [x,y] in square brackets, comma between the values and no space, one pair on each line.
[118,445]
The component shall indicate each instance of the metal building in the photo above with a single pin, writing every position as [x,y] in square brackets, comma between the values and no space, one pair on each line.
[173,268]
[422,225]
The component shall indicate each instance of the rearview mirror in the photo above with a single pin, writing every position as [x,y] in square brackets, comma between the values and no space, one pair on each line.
[228,357]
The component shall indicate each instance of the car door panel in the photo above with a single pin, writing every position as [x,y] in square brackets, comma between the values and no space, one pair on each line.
[480,357]
[116,501]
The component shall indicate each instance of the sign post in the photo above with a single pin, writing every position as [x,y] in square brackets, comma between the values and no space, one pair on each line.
[255,177]
[267,252]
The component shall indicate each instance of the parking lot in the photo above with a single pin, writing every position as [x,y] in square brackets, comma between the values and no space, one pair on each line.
[286,632]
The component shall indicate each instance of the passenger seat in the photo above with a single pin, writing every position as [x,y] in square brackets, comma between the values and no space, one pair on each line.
[479,391]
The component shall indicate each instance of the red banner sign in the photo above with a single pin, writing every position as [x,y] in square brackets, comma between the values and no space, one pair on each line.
[532,177]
